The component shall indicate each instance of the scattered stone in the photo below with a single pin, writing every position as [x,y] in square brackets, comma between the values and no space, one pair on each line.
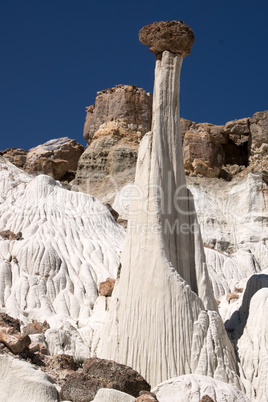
[175,36]
[11,336]
[63,362]
[106,288]
[232,297]
[35,328]
[9,235]
[146,396]
[101,373]
[206,398]
[238,290]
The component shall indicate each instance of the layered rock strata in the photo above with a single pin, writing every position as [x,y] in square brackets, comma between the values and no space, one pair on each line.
[113,130]
[158,321]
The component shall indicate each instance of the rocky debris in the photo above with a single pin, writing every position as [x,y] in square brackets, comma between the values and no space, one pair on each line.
[101,373]
[206,398]
[106,288]
[11,336]
[146,396]
[35,327]
[202,155]
[232,297]
[17,156]
[9,235]
[62,362]
[174,36]
[55,157]
[238,290]
[124,109]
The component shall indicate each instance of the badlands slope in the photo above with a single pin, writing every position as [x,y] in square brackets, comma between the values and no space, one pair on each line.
[70,243]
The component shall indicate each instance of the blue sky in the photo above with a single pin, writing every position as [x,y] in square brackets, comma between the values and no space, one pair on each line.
[55,56]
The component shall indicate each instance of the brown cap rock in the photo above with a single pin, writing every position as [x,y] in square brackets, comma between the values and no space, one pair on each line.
[175,36]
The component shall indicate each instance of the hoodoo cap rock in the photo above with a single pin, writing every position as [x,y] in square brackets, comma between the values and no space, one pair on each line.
[175,36]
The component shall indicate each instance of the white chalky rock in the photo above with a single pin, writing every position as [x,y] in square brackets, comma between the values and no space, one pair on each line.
[20,381]
[112,395]
[193,387]
[252,346]
[164,286]
[70,243]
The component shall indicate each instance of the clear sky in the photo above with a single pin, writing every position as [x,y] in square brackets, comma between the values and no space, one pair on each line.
[55,56]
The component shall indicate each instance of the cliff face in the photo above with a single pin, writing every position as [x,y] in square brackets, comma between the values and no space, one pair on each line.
[121,116]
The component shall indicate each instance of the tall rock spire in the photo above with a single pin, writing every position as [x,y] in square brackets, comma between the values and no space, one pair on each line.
[164,288]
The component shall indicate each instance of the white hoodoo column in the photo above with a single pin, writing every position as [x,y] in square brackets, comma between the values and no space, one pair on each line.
[164,286]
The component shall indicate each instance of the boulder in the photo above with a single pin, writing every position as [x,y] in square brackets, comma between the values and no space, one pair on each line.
[146,396]
[193,388]
[11,336]
[106,288]
[54,157]
[20,381]
[101,373]
[112,395]
[174,36]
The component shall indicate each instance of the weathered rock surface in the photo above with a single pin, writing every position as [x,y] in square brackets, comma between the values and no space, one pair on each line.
[175,36]
[100,373]
[127,107]
[54,157]
[181,291]
[193,387]
[70,244]
[114,127]
[202,155]
[17,156]
[112,395]
[20,381]
[259,143]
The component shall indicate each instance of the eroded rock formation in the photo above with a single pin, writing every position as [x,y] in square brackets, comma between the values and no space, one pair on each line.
[163,292]
[113,129]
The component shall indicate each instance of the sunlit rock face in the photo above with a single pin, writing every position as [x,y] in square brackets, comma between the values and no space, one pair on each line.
[158,322]
[69,243]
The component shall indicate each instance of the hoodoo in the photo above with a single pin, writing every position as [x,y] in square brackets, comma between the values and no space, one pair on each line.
[163,318]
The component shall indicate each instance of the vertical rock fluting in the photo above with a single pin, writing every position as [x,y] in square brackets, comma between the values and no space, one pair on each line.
[164,285]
